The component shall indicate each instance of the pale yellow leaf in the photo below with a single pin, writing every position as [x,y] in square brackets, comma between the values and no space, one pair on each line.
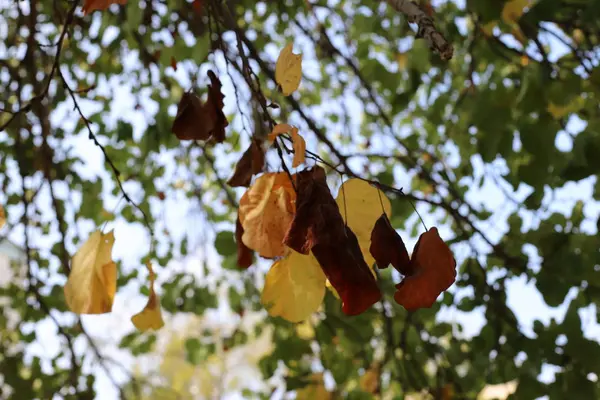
[150,317]
[361,204]
[92,283]
[288,70]
[294,287]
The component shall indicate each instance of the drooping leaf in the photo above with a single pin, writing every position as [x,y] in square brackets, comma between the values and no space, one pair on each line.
[294,287]
[92,283]
[92,5]
[288,70]
[388,248]
[251,163]
[2,217]
[150,317]
[244,253]
[196,120]
[433,270]
[298,142]
[266,212]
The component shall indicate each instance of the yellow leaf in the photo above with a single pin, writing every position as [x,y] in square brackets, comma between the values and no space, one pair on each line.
[288,70]
[266,212]
[2,217]
[92,283]
[363,204]
[294,287]
[299,148]
[279,129]
[369,382]
[305,330]
[402,60]
[150,317]
[314,390]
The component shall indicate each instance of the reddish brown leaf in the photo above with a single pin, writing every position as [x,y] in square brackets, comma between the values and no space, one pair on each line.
[201,121]
[317,218]
[174,63]
[244,254]
[349,274]
[388,248]
[251,163]
[198,6]
[433,271]
[92,5]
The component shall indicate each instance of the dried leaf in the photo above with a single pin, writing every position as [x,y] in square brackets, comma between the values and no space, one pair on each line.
[244,253]
[299,148]
[288,70]
[361,204]
[279,129]
[317,218]
[150,317]
[2,217]
[388,248]
[201,121]
[92,283]
[251,163]
[266,211]
[294,287]
[369,382]
[433,271]
[92,5]
[348,273]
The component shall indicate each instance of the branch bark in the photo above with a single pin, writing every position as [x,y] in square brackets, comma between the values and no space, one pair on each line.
[427,29]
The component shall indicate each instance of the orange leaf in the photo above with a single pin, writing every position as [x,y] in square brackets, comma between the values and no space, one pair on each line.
[388,248]
[244,254]
[279,129]
[92,5]
[251,163]
[266,211]
[299,148]
[201,121]
[433,270]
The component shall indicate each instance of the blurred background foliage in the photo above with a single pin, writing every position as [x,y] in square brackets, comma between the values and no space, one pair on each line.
[498,147]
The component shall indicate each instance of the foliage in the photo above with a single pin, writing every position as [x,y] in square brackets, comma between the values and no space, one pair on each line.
[131,115]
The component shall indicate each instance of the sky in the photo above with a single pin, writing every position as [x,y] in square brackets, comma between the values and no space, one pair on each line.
[182,219]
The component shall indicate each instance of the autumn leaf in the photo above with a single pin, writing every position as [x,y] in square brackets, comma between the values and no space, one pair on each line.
[150,317]
[2,217]
[294,287]
[369,382]
[388,248]
[196,120]
[432,270]
[251,163]
[361,204]
[288,70]
[92,5]
[92,283]
[266,211]
[315,390]
[244,253]
[298,142]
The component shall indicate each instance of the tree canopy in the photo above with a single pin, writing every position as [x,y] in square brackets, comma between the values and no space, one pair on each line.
[348,185]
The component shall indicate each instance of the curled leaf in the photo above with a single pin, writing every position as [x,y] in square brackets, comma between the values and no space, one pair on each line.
[251,163]
[266,211]
[294,287]
[288,70]
[433,270]
[92,283]
[279,129]
[92,5]
[244,253]
[150,317]
[196,120]
[388,248]
[298,142]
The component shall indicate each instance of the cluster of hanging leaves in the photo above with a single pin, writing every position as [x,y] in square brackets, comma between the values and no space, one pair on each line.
[315,240]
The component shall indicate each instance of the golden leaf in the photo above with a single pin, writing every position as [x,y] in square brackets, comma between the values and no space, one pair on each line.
[288,70]
[369,382]
[2,217]
[299,148]
[92,283]
[150,317]
[315,390]
[92,5]
[294,287]
[266,211]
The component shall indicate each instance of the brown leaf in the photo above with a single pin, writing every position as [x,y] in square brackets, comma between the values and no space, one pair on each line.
[201,121]
[92,5]
[433,270]
[349,274]
[251,163]
[244,254]
[388,248]
[317,218]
